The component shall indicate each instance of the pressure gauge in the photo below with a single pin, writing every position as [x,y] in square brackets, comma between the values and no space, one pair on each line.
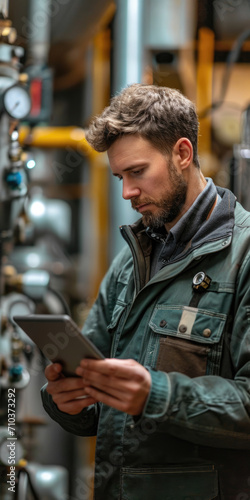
[16,101]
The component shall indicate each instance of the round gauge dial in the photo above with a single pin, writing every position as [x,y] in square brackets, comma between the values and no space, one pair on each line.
[17,102]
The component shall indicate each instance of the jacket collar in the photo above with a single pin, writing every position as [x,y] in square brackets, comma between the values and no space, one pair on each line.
[218,226]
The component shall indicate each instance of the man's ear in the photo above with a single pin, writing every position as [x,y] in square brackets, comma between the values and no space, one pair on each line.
[183,151]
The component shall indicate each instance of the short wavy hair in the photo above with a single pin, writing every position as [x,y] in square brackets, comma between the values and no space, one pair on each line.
[161,115]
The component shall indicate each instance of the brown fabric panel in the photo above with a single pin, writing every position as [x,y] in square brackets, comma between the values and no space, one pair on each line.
[183,356]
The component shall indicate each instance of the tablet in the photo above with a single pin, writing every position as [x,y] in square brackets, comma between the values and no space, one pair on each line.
[59,339]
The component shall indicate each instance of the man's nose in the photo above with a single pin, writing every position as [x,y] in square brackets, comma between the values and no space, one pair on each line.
[130,190]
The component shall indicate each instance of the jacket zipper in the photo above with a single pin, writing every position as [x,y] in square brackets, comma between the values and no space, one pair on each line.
[137,254]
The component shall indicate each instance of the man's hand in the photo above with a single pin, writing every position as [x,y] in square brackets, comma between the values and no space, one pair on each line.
[66,391]
[123,384]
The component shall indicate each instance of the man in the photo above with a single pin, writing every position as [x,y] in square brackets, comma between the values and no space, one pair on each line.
[171,404]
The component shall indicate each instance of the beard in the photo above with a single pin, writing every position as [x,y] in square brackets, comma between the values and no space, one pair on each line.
[168,206]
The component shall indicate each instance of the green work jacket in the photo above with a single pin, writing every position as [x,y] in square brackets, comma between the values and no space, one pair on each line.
[193,439]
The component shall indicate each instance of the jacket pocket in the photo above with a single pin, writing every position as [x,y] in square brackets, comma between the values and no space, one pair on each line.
[182,356]
[169,483]
[190,339]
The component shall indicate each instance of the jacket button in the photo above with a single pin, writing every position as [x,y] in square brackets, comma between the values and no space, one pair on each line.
[182,328]
[207,332]
[163,323]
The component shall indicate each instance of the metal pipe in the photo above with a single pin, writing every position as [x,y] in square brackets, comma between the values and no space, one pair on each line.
[39,31]
[128,63]
[128,48]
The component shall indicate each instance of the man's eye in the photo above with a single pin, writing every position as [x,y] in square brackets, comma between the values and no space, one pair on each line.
[138,172]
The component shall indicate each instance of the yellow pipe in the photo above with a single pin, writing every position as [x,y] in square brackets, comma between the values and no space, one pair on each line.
[204,86]
[101,71]
[99,171]
[56,137]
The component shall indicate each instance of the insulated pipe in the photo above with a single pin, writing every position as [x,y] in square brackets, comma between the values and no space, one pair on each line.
[128,62]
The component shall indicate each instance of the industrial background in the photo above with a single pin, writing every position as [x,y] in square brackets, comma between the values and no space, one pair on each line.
[60,209]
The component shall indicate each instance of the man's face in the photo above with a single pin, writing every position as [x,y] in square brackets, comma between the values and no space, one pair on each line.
[150,180]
